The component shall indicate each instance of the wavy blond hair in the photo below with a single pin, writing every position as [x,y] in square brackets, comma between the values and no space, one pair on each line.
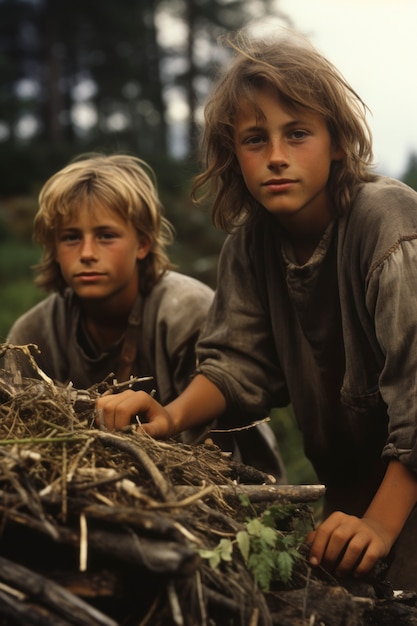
[302,78]
[123,183]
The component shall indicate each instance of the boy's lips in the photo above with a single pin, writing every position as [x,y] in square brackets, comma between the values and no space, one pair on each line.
[279,182]
[279,185]
[88,276]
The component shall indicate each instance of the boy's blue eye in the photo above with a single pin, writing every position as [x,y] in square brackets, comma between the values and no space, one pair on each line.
[107,235]
[69,237]
[254,140]
[298,134]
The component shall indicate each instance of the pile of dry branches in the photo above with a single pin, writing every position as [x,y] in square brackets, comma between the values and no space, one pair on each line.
[101,528]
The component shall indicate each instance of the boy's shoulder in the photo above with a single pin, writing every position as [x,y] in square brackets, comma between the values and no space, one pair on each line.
[181,286]
[49,306]
[383,191]
[384,200]
[178,301]
[53,311]
[383,213]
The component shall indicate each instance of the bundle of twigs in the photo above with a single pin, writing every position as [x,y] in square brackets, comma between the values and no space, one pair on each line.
[85,504]
[103,528]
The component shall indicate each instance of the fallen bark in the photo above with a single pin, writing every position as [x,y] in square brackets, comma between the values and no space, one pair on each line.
[264,493]
[26,587]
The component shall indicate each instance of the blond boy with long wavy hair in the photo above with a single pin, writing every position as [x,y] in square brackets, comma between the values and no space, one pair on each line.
[116,307]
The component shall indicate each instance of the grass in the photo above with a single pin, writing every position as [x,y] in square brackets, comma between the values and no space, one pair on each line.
[16,260]
[290,441]
[17,290]
[299,469]
[16,298]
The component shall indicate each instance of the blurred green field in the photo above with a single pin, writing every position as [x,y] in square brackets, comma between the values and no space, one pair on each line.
[16,298]
[17,290]
[299,469]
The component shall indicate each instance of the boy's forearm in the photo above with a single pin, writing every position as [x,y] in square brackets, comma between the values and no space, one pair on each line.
[394,499]
[200,403]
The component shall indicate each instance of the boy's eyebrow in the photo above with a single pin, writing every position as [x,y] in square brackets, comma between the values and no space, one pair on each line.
[99,227]
[247,130]
[261,126]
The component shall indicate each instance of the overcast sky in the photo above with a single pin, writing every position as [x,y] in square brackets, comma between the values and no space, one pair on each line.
[374,45]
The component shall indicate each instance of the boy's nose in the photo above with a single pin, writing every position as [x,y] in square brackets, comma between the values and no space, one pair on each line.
[278,156]
[88,250]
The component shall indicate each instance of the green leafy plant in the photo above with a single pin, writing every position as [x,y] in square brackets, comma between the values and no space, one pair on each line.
[222,552]
[269,553]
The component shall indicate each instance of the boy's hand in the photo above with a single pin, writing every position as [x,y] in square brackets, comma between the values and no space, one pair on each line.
[348,544]
[116,411]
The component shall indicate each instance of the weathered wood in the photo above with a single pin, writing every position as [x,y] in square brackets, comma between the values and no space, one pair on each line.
[152,523]
[392,612]
[265,493]
[53,596]
[14,611]
[251,475]
[98,584]
[163,557]
[320,604]
[122,545]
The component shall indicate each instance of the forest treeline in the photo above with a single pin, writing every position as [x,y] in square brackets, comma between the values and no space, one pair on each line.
[109,75]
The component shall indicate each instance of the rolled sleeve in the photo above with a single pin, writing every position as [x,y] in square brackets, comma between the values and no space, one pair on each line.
[393,289]
[236,350]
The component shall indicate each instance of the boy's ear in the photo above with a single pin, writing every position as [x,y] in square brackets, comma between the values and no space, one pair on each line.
[144,247]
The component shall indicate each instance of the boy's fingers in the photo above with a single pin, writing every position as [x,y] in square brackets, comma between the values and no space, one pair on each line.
[370,557]
[157,428]
[116,411]
[330,539]
[345,543]
[354,556]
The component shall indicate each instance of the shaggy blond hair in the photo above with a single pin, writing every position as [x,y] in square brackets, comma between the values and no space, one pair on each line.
[123,183]
[302,78]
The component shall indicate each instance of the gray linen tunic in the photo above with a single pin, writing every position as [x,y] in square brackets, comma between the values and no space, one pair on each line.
[337,337]
[173,313]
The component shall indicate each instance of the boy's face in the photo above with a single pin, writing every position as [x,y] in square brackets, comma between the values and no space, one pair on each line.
[285,161]
[97,252]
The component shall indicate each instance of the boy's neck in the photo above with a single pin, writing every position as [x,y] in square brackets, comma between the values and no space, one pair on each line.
[104,328]
[303,250]
[103,335]
[305,235]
